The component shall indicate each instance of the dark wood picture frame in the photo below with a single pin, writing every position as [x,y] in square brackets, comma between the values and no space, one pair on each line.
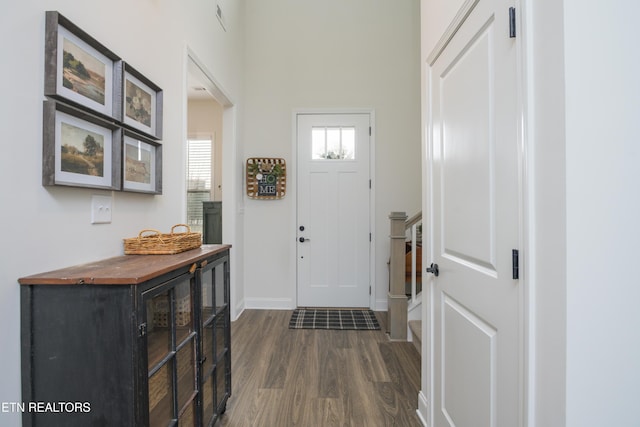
[141,103]
[80,149]
[141,164]
[80,70]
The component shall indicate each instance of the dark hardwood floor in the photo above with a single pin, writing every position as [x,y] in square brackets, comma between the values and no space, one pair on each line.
[284,377]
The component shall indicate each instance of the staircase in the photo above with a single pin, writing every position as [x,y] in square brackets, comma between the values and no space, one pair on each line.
[405,278]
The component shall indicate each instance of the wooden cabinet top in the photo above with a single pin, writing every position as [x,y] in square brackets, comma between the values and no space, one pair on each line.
[123,270]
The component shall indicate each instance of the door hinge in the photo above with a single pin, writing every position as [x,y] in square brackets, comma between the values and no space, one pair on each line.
[369,130]
[369,237]
[142,330]
[369,290]
[512,22]
[515,264]
[369,184]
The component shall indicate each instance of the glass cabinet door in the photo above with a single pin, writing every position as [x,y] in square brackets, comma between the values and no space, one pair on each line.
[207,300]
[215,340]
[171,353]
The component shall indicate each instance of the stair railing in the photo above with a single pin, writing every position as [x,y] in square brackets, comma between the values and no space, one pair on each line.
[414,225]
[397,296]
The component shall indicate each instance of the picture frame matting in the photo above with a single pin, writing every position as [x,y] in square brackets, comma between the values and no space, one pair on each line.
[79,149]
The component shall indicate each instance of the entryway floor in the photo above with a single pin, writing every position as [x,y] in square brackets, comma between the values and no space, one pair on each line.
[285,377]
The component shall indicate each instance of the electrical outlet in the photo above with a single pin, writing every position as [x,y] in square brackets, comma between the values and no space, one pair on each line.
[101,209]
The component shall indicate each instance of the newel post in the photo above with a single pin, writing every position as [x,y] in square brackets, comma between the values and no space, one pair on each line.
[396,298]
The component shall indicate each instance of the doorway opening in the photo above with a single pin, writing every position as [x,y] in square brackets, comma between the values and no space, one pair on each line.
[220,117]
[205,118]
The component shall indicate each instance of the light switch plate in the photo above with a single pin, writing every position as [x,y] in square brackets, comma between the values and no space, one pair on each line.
[101,208]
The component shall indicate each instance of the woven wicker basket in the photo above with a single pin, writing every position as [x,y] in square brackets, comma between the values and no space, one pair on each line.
[162,244]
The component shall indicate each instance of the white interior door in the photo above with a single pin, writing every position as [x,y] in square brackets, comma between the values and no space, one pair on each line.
[476,302]
[333,210]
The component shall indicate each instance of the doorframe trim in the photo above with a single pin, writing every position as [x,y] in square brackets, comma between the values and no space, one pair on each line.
[293,191]
[526,140]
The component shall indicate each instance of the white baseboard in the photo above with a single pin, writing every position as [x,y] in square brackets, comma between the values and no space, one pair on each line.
[269,303]
[423,404]
[381,305]
[239,308]
[286,304]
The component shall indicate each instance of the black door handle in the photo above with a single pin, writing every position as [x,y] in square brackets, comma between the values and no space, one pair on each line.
[433,269]
[302,240]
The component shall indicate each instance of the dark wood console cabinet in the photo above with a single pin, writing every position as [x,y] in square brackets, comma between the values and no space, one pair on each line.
[135,340]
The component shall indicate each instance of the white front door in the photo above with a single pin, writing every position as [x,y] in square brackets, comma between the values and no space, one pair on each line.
[476,303]
[333,210]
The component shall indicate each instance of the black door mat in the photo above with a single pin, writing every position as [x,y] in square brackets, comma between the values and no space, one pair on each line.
[315,318]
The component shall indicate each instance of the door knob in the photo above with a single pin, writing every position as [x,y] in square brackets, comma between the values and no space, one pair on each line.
[302,240]
[433,269]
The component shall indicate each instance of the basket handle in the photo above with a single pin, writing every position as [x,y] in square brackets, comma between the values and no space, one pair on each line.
[181,225]
[147,230]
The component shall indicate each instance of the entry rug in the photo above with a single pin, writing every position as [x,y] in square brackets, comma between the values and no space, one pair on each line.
[311,318]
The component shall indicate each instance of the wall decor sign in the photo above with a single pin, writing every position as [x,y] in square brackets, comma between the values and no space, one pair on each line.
[80,70]
[79,149]
[102,121]
[266,178]
[142,103]
[142,161]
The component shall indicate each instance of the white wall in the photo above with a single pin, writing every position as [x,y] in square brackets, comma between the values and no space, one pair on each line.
[49,228]
[328,54]
[603,207]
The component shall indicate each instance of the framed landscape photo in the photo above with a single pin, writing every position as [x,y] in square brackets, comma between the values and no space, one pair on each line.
[141,164]
[80,70]
[79,149]
[141,103]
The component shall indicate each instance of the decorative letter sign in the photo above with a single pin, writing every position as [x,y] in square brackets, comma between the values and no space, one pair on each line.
[266,178]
